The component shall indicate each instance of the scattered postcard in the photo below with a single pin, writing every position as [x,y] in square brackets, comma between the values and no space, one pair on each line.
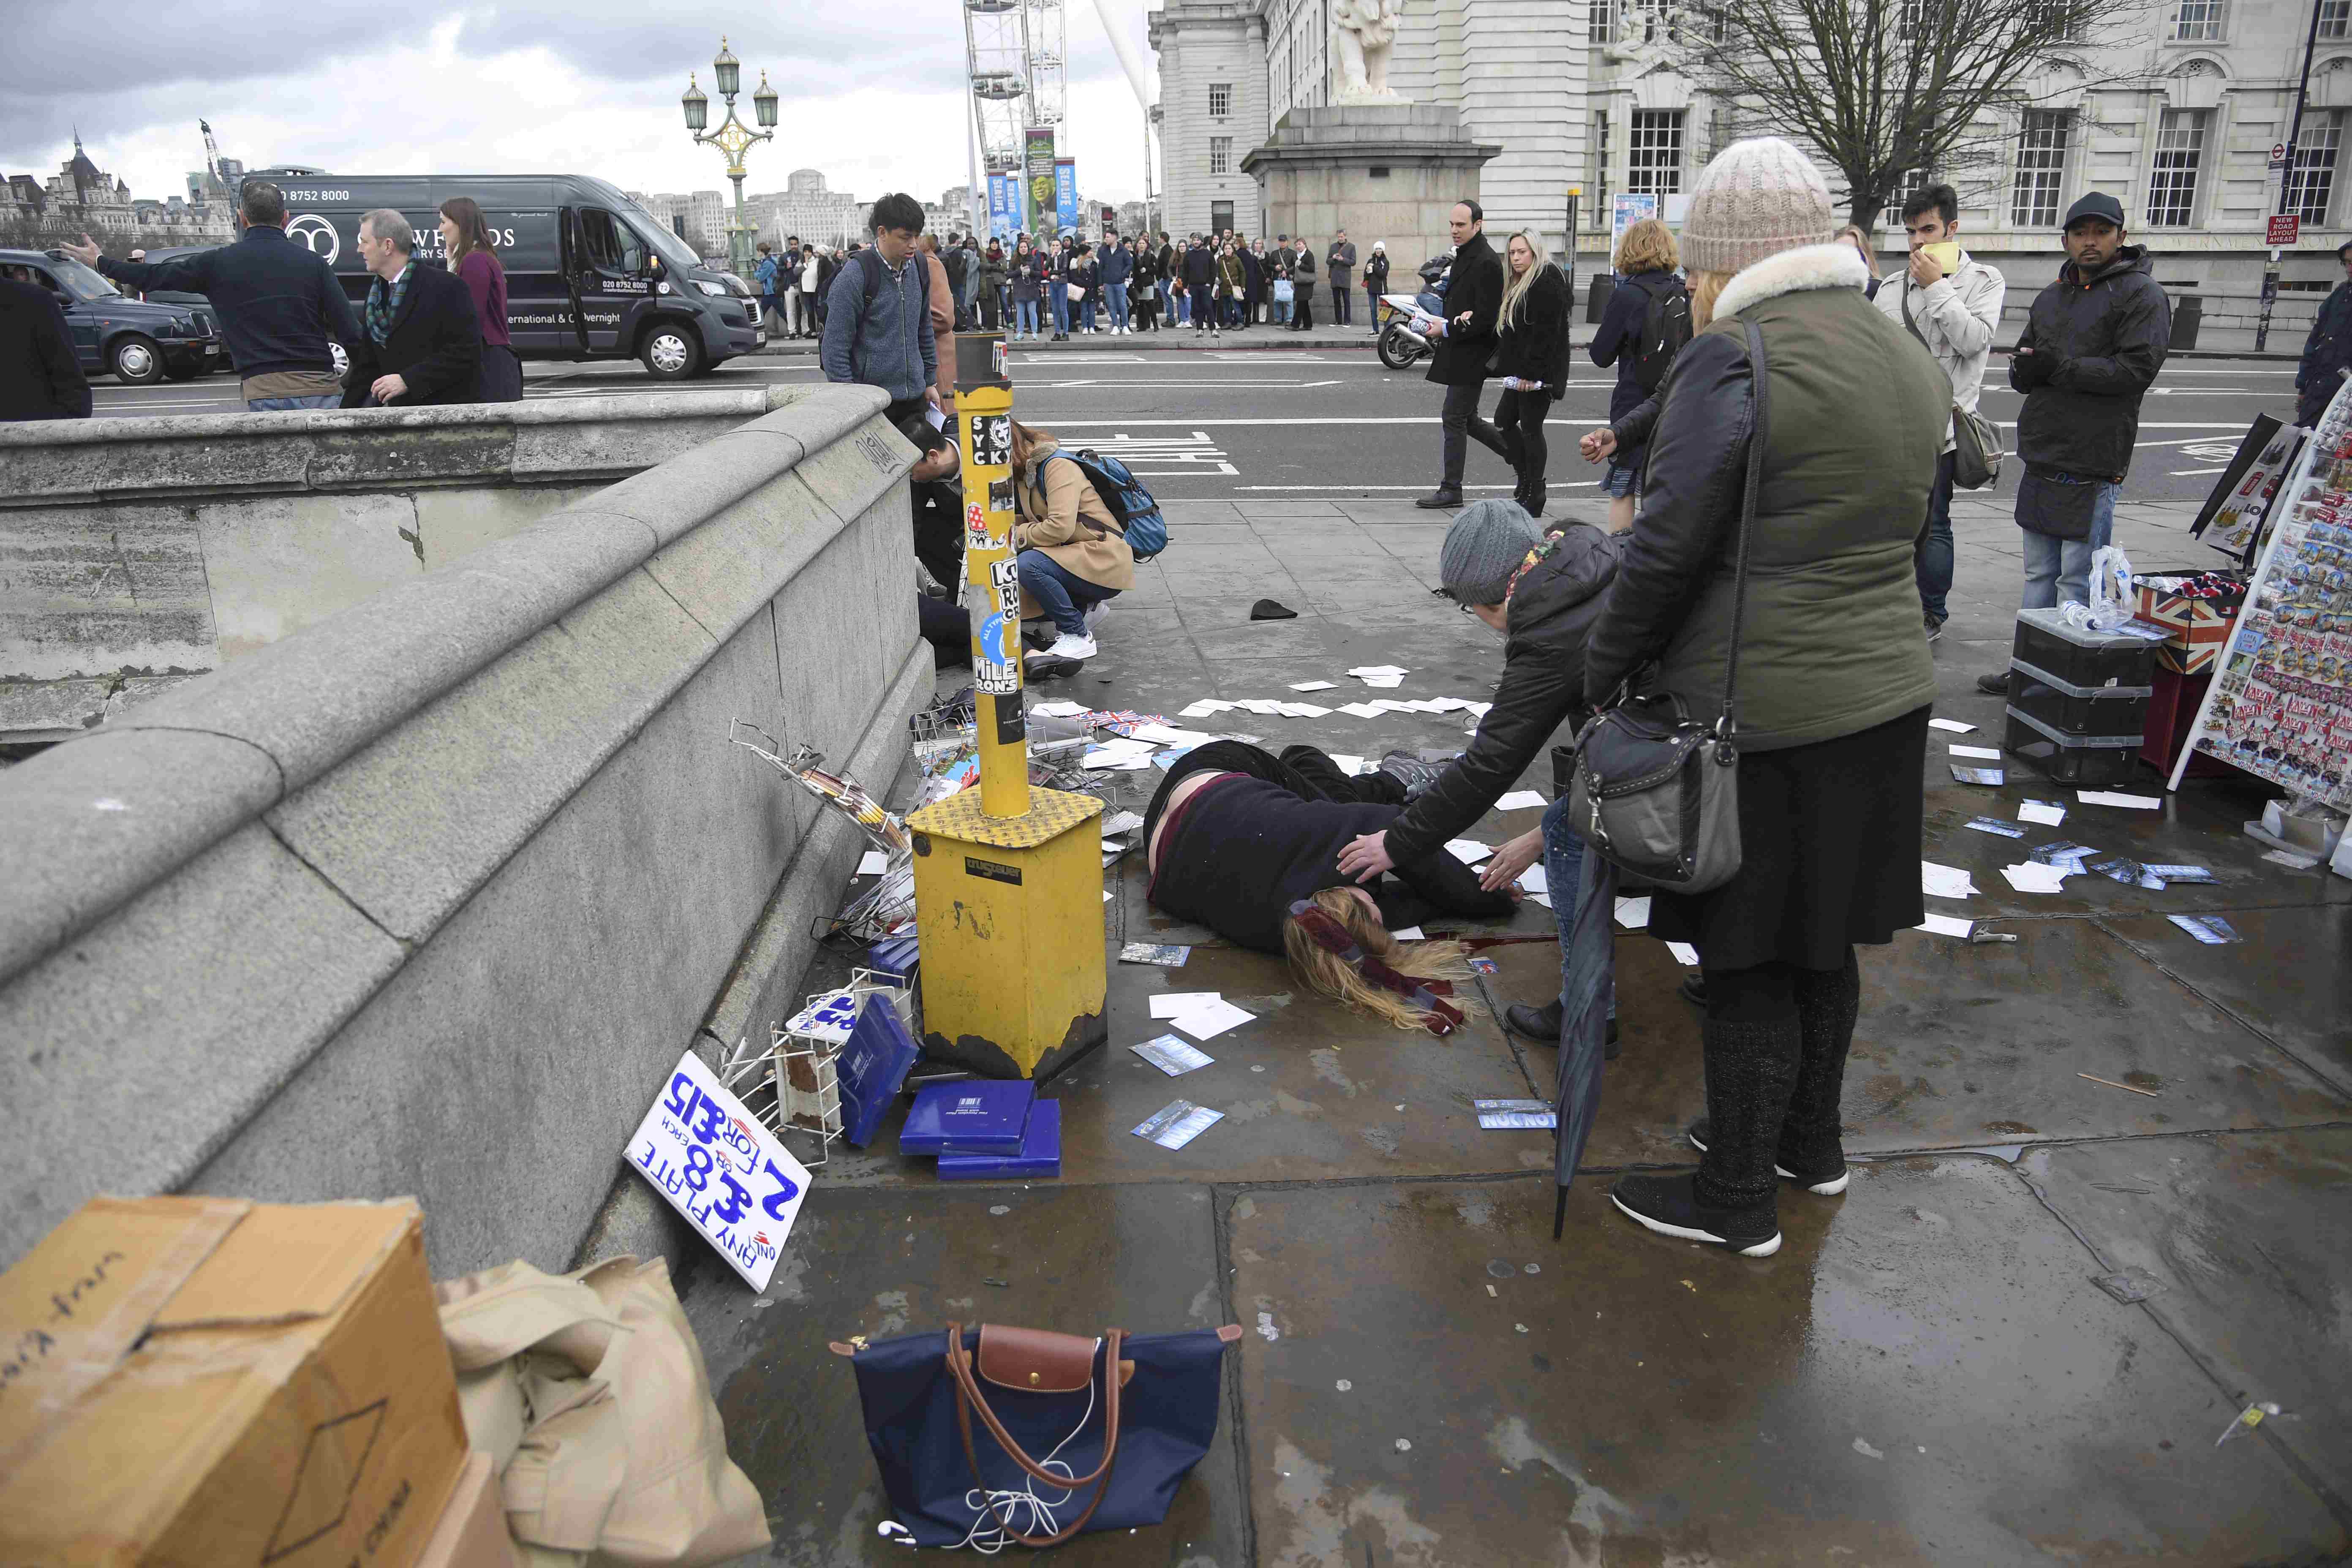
[2110,797]
[1172,1055]
[1385,682]
[1212,1018]
[1349,766]
[1168,1003]
[1410,933]
[1369,671]
[1978,775]
[2182,873]
[1170,735]
[1535,879]
[1633,914]
[1987,752]
[1166,955]
[1516,1120]
[1177,1123]
[1543,899]
[2212,929]
[2291,860]
[1521,800]
[1313,685]
[1469,851]
[1945,881]
[1510,1105]
[2030,878]
[1954,725]
[1684,953]
[1945,925]
[1361,709]
[1203,708]
[2050,814]
[1058,710]
[1995,825]
[1303,710]
[872,863]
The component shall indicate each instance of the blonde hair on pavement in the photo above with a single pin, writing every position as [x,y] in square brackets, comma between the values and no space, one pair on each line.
[1326,972]
[1648,247]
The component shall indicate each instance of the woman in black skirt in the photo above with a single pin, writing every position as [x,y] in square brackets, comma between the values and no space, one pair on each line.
[1835,678]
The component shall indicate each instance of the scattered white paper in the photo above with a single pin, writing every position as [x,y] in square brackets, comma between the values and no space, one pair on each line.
[1361,709]
[1121,822]
[1169,735]
[1313,685]
[1369,670]
[1349,766]
[1535,879]
[1945,881]
[1168,1003]
[2046,813]
[1106,895]
[1116,761]
[1261,705]
[1303,710]
[1469,851]
[1954,725]
[2109,797]
[1543,899]
[1425,706]
[1988,753]
[1410,933]
[1058,710]
[872,863]
[1521,800]
[1480,709]
[1684,953]
[2291,860]
[1633,914]
[2030,878]
[1388,705]
[1448,704]
[1945,925]
[1203,709]
[1385,682]
[1212,1018]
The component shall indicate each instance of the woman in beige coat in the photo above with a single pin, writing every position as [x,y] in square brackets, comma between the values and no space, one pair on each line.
[1069,550]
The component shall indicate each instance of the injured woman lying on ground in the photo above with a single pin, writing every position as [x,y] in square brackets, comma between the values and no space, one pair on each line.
[1247,844]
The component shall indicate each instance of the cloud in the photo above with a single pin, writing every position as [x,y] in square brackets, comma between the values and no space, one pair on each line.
[873,95]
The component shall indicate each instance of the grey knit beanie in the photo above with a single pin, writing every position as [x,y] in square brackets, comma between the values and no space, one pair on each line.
[1758,198]
[1482,547]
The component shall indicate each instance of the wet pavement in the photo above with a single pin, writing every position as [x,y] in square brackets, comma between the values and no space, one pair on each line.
[1927,1371]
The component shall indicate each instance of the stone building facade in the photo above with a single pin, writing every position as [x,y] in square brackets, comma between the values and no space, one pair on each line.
[2176,118]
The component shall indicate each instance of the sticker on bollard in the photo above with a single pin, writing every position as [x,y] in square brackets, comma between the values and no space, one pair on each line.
[721,1169]
[996,680]
[992,440]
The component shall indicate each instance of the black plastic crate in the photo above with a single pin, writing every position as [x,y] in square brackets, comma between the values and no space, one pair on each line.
[2101,716]
[2062,656]
[2068,759]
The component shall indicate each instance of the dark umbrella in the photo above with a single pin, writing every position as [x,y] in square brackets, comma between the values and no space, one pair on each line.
[1584,1020]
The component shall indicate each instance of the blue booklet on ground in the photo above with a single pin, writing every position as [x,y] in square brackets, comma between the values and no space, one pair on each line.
[1039,1154]
[873,1064]
[975,1116]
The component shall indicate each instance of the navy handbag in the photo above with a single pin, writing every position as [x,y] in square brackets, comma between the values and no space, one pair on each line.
[994,1433]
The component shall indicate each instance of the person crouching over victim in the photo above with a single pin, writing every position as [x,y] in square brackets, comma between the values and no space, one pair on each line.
[1070,551]
[1247,844]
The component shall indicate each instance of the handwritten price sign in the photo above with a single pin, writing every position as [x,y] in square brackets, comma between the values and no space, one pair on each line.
[721,1169]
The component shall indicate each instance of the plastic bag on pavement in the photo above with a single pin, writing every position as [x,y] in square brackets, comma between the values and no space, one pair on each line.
[590,1393]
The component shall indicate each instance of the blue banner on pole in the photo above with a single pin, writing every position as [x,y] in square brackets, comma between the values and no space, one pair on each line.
[1065,195]
[1003,216]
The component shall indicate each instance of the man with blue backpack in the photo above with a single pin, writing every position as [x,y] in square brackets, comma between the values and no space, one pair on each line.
[1081,525]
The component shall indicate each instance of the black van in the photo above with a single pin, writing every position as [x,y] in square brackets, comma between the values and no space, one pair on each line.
[589,274]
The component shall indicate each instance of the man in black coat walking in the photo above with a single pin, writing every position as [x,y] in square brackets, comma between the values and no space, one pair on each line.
[40,376]
[1466,340]
[420,341]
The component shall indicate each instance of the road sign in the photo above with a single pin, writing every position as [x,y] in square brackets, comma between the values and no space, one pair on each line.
[2278,155]
[2284,230]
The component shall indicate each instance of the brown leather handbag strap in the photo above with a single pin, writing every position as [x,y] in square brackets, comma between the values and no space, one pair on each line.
[969,1397]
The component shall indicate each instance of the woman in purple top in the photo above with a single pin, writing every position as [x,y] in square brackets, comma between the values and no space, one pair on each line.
[465,238]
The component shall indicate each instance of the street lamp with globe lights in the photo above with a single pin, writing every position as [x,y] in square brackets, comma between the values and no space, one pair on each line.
[732,138]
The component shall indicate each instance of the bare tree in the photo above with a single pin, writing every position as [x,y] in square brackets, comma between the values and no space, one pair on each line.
[1884,89]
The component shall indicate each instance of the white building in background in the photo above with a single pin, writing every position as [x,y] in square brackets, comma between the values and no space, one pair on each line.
[2177,122]
[808,209]
[699,217]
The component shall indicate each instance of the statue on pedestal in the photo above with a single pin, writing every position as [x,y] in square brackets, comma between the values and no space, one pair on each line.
[1363,36]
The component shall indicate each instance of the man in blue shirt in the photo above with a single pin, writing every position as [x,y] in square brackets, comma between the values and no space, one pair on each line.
[877,318]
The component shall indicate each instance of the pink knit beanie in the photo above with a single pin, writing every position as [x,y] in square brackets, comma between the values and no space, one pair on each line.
[1759,198]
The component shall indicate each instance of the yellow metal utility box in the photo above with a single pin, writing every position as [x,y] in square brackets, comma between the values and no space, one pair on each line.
[1011,914]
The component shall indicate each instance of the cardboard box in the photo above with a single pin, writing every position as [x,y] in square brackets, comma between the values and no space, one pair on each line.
[2198,626]
[206,1381]
[473,1529]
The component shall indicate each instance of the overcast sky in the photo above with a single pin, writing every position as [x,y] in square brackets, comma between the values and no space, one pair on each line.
[872,94]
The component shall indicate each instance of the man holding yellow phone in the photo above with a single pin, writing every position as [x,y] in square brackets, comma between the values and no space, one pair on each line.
[1951,302]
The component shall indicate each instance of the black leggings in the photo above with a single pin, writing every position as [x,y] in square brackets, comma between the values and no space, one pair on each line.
[1519,421]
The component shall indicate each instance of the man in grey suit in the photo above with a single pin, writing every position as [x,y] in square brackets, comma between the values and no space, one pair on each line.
[1342,265]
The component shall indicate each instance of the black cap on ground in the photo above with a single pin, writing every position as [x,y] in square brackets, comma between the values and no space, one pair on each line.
[1267,610]
[2096,203]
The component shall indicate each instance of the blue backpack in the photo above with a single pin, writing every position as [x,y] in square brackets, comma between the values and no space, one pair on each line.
[1138,513]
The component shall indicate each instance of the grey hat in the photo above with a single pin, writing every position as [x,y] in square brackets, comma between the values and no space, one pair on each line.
[1482,547]
[1758,198]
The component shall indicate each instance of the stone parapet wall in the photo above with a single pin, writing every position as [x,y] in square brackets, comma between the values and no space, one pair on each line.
[427,898]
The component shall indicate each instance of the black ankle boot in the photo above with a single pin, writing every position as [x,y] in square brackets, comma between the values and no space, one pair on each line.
[1751,1071]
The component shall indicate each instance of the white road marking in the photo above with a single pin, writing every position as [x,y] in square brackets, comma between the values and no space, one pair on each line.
[2180,473]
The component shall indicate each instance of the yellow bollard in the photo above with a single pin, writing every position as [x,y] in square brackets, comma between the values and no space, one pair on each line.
[1008,876]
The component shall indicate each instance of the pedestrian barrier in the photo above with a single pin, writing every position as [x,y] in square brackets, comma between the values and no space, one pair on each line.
[423,899]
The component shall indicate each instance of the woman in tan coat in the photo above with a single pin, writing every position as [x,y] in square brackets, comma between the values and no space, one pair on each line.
[1069,550]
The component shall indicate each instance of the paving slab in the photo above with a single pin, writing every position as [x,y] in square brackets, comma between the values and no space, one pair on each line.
[1073,1259]
[1924,1373]
[2289,979]
[2247,1240]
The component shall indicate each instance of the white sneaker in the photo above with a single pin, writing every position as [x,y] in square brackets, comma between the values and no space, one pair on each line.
[1067,647]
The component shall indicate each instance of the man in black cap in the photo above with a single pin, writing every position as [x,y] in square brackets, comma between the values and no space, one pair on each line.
[2327,352]
[2095,341]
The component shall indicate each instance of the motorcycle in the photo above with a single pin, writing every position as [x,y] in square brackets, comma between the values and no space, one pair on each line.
[1400,345]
